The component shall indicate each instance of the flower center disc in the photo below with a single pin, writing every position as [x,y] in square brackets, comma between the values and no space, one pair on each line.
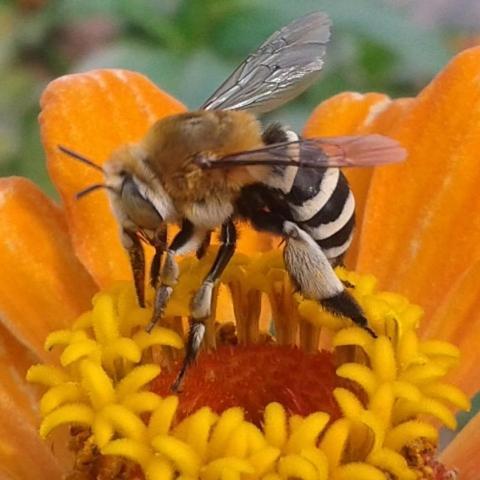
[252,376]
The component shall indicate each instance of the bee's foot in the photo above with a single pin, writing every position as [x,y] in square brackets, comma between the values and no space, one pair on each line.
[370,331]
[162,296]
[194,342]
[151,325]
[178,383]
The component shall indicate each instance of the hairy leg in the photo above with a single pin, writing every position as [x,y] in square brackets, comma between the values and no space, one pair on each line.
[312,273]
[159,242]
[202,300]
[136,255]
[188,239]
[309,268]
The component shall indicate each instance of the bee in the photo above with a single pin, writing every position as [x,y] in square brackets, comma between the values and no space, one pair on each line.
[206,169]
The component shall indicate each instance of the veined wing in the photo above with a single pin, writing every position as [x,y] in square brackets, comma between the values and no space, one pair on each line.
[286,64]
[346,151]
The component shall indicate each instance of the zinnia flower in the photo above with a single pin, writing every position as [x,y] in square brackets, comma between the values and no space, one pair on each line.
[257,406]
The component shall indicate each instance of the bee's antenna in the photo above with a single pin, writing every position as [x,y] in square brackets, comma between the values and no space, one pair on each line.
[92,188]
[81,158]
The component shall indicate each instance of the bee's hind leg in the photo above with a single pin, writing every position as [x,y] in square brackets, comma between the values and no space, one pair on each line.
[202,300]
[312,273]
[309,268]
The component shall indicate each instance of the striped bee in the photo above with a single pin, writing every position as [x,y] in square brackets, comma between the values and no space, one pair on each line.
[206,169]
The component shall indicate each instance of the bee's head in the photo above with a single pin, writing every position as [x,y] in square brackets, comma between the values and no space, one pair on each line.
[125,163]
[136,196]
[135,191]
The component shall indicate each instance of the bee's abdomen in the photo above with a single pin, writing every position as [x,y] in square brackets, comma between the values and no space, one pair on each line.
[329,214]
[320,202]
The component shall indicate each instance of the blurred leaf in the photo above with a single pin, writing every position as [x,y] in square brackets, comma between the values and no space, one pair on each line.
[199,19]
[420,52]
[128,54]
[76,10]
[31,157]
[155,19]
[7,28]
[201,74]
[32,30]
[188,47]
[293,115]
[19,91]
[238,35]
[375,58]
[189,78]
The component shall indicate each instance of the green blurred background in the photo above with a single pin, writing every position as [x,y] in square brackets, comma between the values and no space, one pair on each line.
[189,46]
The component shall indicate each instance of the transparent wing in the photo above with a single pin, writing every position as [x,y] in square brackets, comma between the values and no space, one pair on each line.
[286,64]
[348,151]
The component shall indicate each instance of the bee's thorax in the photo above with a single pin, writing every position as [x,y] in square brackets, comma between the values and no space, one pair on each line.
[173,143]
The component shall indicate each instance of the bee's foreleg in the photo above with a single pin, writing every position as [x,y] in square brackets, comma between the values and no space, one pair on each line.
[187,239]
[159,242]
[312,273]
[202,300]
[132,244]
[168,279]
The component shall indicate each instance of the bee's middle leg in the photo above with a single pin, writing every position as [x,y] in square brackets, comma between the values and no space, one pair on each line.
[202,300]
[187,239]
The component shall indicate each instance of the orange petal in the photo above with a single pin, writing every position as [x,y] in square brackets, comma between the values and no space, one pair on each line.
[43,285]
[94,113]
[23,454]
[457,321]
[463,452]
[346,114]
[14,363]
[251,241]
[420,231]
[384,118]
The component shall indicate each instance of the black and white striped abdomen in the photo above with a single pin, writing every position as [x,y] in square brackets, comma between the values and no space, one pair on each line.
[323,205]
[320,200]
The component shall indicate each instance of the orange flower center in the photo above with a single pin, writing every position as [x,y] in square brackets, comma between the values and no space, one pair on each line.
[252,376]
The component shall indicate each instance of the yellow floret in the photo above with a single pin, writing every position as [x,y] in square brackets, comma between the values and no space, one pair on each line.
[393,388]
